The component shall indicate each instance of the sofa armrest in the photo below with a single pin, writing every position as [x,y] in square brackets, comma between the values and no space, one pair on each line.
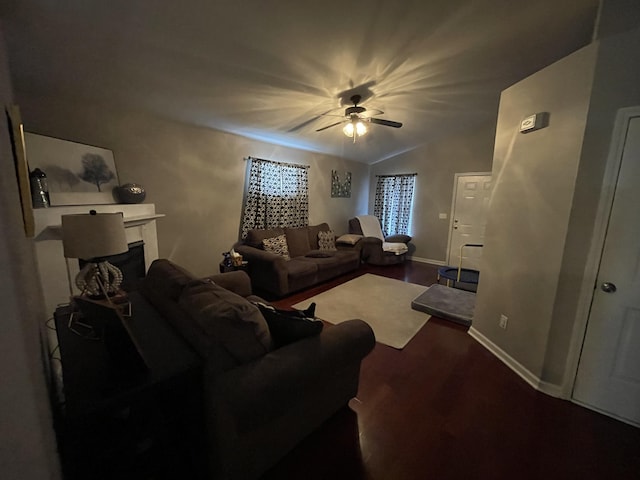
[371,241]
[281,376]
[238,282]
[268,270]
[398,238]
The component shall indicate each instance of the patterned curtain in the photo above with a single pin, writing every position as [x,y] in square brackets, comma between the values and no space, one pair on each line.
[277,195]
[392,204]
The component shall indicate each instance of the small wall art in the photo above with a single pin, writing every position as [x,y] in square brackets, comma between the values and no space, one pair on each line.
[340,185]
[77,174]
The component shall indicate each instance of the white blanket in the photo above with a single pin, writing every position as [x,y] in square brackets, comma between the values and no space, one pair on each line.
[370,226]
[397,248]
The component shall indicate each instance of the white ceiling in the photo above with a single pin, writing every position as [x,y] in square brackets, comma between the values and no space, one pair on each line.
[265,68]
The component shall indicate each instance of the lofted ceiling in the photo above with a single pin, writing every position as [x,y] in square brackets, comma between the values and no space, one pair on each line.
[268,69]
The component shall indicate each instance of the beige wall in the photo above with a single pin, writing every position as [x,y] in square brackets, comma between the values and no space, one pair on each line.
[28,444]
[436,165]
[534,176]
[538,270]
[194,175]
[616,85]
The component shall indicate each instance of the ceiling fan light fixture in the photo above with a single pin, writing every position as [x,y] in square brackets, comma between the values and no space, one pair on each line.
[355,126]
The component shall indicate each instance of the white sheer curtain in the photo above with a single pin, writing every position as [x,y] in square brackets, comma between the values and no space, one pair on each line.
[393,202]
[276,195]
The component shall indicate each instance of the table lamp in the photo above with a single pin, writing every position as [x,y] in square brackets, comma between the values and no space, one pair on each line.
[92,237]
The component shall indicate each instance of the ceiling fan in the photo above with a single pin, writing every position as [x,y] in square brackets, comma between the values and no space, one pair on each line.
[355,118]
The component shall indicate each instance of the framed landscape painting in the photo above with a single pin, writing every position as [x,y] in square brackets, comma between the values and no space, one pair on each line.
[77,174]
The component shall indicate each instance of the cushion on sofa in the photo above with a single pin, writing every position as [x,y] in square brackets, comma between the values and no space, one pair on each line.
[277,245]
[320,254]
[398,238]
[256,236]
[349,239]
[228,320]
[313,230]
[298,241]
[167,279]
[326,240]
[298,268]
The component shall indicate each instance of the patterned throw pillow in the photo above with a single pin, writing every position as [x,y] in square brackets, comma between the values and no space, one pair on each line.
[327,240]
[277,245]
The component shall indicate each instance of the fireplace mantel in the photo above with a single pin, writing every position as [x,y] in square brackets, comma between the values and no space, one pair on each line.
[128,222]
[54,269]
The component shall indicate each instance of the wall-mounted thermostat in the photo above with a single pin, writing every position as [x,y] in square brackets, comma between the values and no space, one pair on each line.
[534,122]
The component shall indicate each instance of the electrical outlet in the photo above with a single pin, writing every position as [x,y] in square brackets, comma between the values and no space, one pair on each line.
[503,321]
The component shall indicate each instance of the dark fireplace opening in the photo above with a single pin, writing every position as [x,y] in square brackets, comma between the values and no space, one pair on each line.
[131,263]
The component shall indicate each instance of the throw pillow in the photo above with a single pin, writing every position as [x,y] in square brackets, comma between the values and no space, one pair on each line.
[277,245]
[256,236]
[349,238]
[288,326]
[398,238]
[327,240]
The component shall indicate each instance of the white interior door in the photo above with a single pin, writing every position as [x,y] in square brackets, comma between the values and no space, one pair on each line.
[468,218]
[608,377]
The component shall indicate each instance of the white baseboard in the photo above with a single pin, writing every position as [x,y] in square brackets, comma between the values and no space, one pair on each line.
[440,263]
[544,387]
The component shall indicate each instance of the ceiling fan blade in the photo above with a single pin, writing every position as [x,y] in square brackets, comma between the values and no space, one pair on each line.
[303,124]
[329,126]
[370,112]
[311,120]
[387,123]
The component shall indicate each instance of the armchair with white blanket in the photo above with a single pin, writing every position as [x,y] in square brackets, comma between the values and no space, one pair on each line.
[376,248]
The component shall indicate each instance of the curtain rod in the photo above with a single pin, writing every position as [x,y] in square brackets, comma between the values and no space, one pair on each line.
[399,175]
[298,165]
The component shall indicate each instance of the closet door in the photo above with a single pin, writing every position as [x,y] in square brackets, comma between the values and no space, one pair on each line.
[608,378]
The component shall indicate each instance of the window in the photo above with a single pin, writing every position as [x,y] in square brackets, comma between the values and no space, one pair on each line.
[393,202]
[277,195]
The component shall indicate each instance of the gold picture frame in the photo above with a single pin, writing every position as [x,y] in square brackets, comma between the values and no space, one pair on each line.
[16,132]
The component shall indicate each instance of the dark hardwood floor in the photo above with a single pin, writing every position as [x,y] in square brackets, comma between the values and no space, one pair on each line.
[446,408]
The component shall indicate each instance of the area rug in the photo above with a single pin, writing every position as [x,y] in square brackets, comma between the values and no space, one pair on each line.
[384,303]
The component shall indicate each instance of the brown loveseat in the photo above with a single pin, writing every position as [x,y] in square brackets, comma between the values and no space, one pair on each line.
[275,274]
[259,401]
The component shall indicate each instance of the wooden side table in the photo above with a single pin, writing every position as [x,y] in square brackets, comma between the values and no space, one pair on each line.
[145,424]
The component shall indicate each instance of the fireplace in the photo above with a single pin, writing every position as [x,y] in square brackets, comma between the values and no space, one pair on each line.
[130,263]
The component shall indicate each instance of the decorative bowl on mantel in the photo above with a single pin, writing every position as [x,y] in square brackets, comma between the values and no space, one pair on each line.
[130,193]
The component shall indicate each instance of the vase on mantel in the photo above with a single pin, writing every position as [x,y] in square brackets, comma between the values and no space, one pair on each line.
[130,193]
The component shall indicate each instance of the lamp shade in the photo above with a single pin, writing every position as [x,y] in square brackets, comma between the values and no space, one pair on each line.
[93,235]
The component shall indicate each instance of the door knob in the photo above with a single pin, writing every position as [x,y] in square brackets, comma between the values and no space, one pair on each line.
[608,287]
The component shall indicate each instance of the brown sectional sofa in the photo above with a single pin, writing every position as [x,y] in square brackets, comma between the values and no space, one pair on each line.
[273,274]
[259,401]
